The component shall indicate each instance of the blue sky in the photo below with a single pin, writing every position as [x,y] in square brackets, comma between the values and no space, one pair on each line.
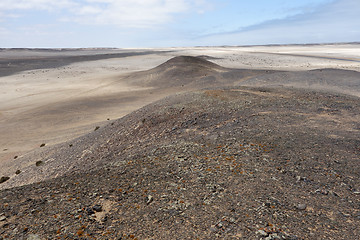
[166,23]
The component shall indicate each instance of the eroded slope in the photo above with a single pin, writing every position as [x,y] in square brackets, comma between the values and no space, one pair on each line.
[236,163]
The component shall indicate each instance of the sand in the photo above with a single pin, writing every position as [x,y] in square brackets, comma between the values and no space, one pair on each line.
[77,90]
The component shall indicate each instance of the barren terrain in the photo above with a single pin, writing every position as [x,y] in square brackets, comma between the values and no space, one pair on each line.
[254,142]
[39,86]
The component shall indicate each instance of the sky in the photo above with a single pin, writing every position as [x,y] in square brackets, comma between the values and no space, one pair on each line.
[175,23]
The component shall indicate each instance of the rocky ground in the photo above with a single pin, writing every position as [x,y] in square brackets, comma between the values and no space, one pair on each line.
[235,163]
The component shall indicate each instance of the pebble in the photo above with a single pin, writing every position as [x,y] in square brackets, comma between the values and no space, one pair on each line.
[97,208]
[333,193]
[272,237]
[262,233]
[89,211]
[213,229]
[2,218]
[4,179]
[324,192]
[149,199]
[301,206]
[33,237]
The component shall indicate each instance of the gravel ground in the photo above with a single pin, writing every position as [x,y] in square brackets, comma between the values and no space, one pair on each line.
[236,163]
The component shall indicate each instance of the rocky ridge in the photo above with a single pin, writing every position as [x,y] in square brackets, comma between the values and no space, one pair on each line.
[234,163]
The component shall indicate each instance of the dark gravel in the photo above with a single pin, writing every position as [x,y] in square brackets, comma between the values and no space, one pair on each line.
[240,163]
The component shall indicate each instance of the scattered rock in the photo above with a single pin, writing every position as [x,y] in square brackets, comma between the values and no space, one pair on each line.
[97,208]
[18,172]
[301,206]
[33,237]
[322,191]
[194,181]
[150,199]
[333,193]
[39,163]
[96,128]
[42,145]
[213,229]
[262,233]
[90,211]
[4,179]
[15,157]
[2,218]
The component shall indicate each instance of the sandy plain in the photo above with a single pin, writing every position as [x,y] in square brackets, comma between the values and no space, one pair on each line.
[51,96]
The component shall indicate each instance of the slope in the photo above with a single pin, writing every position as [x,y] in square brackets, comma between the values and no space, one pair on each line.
[190,72]
[229,163]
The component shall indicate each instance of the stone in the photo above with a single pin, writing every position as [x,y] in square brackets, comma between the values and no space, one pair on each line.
[262,233]
[2,218]
[149,199]
[33,237]
[324,192]
[97,208]
[301,206]
[213,229]
[275,236]
[39,163]
[89,211]
[4,179]
[333,193]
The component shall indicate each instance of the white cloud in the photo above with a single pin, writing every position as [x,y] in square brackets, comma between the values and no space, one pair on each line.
[131,13]
[123,13]
[6,5]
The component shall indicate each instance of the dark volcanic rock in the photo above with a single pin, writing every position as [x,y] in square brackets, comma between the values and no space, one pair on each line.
[4,179]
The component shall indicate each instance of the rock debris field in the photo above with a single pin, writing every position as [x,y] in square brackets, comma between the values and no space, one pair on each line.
[237,163]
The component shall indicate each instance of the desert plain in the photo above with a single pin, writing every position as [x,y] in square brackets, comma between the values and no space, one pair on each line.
[63,112]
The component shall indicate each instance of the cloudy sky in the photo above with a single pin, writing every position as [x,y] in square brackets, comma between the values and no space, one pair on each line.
[166,23]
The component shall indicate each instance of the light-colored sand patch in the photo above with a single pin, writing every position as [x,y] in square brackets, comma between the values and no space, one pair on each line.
[289,58]
[58,104]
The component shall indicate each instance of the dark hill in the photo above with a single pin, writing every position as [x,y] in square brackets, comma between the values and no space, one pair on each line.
[241,163]
[190,72]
